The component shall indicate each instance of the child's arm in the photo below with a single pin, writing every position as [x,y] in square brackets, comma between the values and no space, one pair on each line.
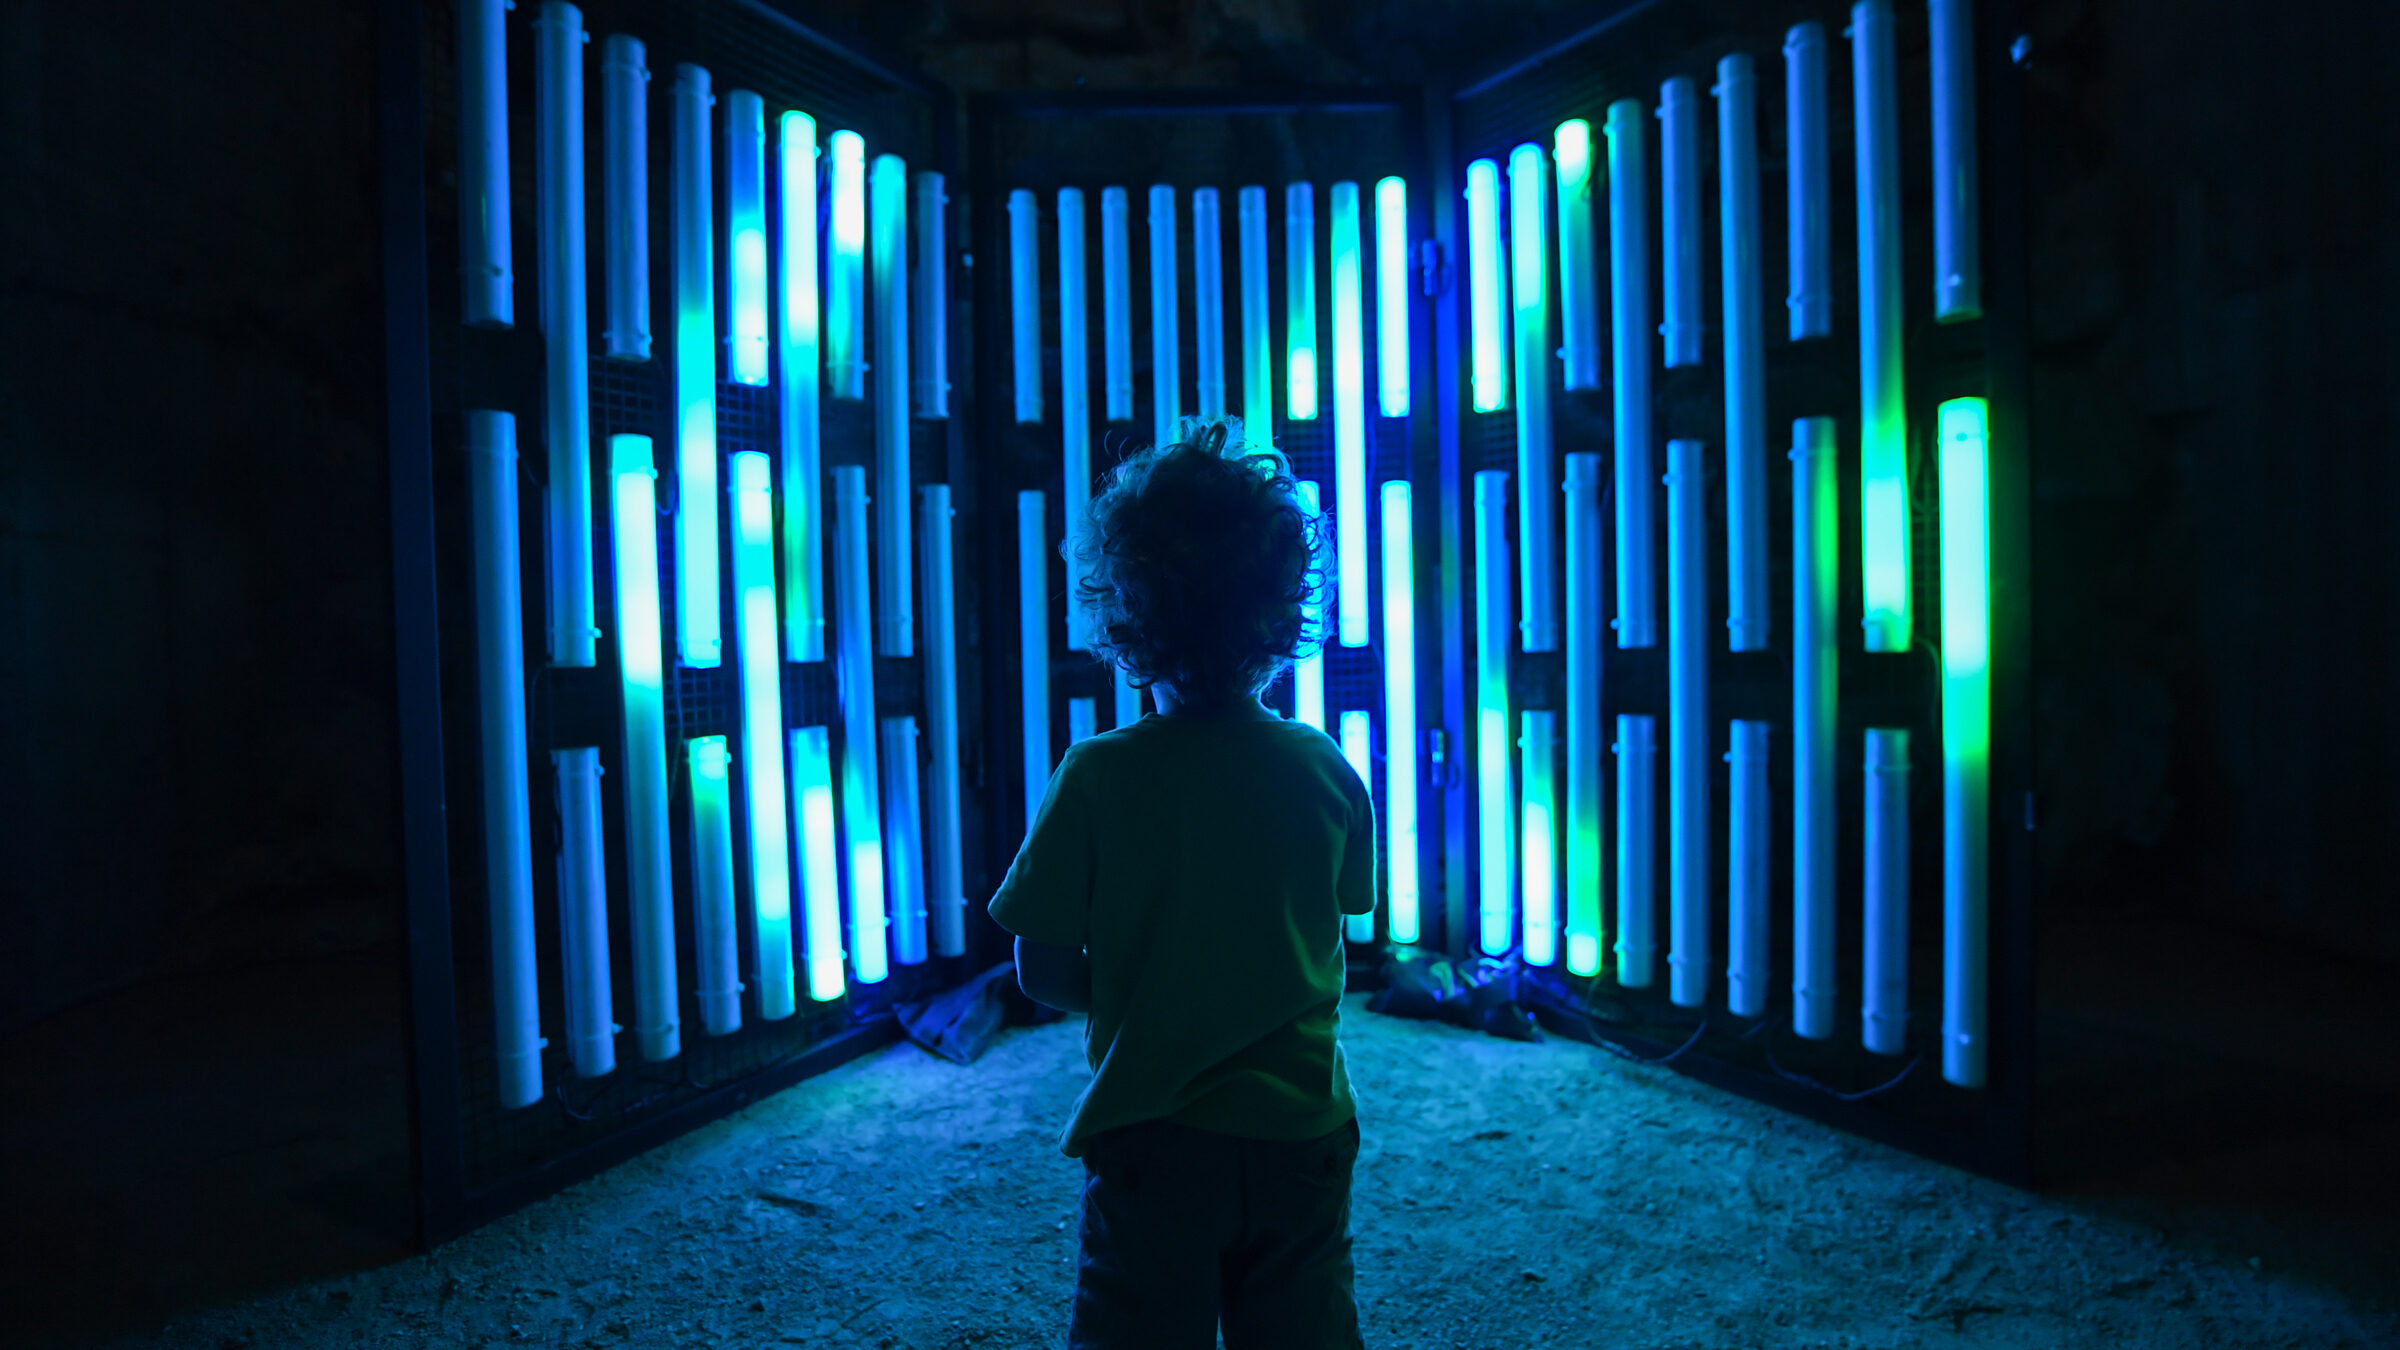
[1056,977]
[1045,901]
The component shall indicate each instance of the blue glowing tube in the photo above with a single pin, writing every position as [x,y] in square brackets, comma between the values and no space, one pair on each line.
[1300,298]
[1578,261]
[1885,1009]
[558,202]
[1116,306]
[1883,405]
[746,237]
[761,688]
[1957,257]
[854,693]
[1679,164]
[803,507]
[1033,645]
[1539,823]
[945,876]
[1747,613]
[500,700]
[625,196]
[1308,671]
[1637,849]
[1358,740]
[583,914]
[1537,475]
[931,361]
[820,887]
[1074,394]
[699,638]
[1816,686]
[1811,231]
[1496,880]
[1349,420]
[641,683]
[483,250]
[1025,302]
[1391,297]
[1585,794]
[1629,305]
[895,551]
[1399,713]
[1166,359]
[1258,358]
[845,268]
[1083,719]
[1129,700]
[903,857]
[1688,951]
[715,949]
[1208,301]
[1486,312]
[1746,908]
[1966,733]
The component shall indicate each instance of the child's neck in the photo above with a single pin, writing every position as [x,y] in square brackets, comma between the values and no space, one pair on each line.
[1173,704]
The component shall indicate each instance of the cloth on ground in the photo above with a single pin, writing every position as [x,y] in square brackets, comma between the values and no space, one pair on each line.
[958,1024]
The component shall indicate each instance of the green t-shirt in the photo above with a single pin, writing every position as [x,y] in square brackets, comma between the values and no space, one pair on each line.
[1205,864]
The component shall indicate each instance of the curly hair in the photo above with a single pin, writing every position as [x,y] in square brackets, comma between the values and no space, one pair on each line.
[1201,564]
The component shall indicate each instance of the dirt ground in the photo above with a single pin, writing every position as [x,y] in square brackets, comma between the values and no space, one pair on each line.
[1508,1196]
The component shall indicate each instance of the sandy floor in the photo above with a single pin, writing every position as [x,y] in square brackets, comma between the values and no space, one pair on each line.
[1508,1196]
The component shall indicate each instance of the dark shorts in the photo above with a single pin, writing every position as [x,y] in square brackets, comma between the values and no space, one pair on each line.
[1184,1229]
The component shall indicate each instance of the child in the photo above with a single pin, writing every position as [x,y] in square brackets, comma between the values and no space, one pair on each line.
[1184,883]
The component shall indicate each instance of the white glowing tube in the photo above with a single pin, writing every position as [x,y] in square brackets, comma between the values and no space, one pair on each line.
[820,885]
[1033,645]
[1746,905]
[1816,685]
[800,359]
[1585,794]
[699,638]
[945,877]
[1025,302]
[1349,420]
[1810,237]
[583,914]
[761,686]
[895,551]
[715,947]
[1883,405]
[1166,358]
[1957,255]
[1966,733]
[1539,825]
[1074,394]
[1885,1029]
[1537,475]
[846,268]
[1300,299]
[483,248]
[1629,305]
[625,196]
[1208,301]
[903,850]
[1679,179]
[1358,740]
[1308,670]
[1391,297]
[1688,895]
[1486,302]
[1116,306]
[746,237]
[1258,358]
[558,203]
[1495,840]
[1399,713]
[854,694]
[1083,719]
[500,699]
[932,359]
[1637,849]
[1578,263]
[641,683]
[1129,700]
[1746,617]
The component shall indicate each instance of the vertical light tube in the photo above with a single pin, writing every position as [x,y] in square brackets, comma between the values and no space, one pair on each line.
[1166,324]
[1816,687]
[1537,476]
[761,685]
[625,196]
[1083,719]
[1808,209]
[931,361]
[500,701]
[488,288]
[699,638]
[1025,302]
[1679,180]
[1585,795]
[854,694]
[1391,297]
[1539,824]
[1208,301]
[1883,406]
[1746,904]
[1358,741]
[945,865]
[1129,700]
[1688,897]
[1258,358]
[820,887]
[797,397]
[1399,713]
[1637,849]
[1349,419]
[1116,306]
[746,237]
[1486,303]
[1300,298]
[1578,262]
[903,853]
[1629,306]
[1957,254]
[1033,645]
[583,914]
[895,551]
[845,269]
[1308,670]
[1747,610]
[1966,732]
[1074,395]
[716,951]
[641,691]
[1495,805]
[558,202]
[1885,973]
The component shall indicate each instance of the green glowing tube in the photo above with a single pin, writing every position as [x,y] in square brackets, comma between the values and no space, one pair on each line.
[746,236]
[761,688]
[1399,714]
[1300,294]
[1537,476]
[1391,297]
[641,683]
[1357,747]
[1496,876]
[1586,806]
[803,509]
[854,695]
[715,948]
[1349,420]
[1883,404]
[699,636]
[846,269]
[1488,368]
[1308,672]
[1258,356]
[1578,265]
[1966,732]
[820,892]
[895,550]
[1539,822]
